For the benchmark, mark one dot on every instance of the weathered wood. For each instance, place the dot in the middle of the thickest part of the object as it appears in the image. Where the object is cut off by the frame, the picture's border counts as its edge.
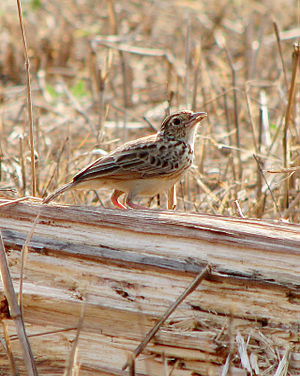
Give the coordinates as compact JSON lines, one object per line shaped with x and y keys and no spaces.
{"x":129,"y":266}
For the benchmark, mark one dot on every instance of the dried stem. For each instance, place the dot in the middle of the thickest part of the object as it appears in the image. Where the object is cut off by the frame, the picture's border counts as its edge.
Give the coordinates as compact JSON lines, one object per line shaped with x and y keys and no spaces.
{"x":72,"y":355}
{"x":263,"y":119}
{"x":288,"y":114}
{"x":293,"y":205}
{"x":239,"y":210}
{"x":22,"y":162}
{"x":12,"y":202}
{"x":196,"y":77}
{"x":236,"y":118}
{"x":187,"y":59}
{"x":101,"y":104}
{"x":24,"y":254}
{"x":263,"y":175}
{"x":229,"y":135}
{"x":16,"y":312}
{"x":29,"y":102}
{"x":131,"y":365}
{"x":123,"y":58}
{"x":172,"y":198}
{"x":10,"y":355}
{"x":254,"y":135}
{"x":56,"y":170}
{"x":277,"y":33}
{"x":205,"y":272}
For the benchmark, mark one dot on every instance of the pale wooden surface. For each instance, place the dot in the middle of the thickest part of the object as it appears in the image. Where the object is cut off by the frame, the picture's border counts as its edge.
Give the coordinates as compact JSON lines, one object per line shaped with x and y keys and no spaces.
{"x":129,"y":266}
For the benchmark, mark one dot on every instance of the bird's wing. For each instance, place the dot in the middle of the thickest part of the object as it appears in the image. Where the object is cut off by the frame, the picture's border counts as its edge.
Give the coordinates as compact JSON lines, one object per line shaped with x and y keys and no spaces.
{"x":137,"y":158}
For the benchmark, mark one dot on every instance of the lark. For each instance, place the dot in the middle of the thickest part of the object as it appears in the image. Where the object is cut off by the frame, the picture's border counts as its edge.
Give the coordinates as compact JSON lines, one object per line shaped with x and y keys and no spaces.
{"x":143,"y":167}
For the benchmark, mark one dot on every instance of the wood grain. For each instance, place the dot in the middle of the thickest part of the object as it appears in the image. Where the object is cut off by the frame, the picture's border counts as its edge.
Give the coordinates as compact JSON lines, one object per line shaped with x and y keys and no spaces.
{"x":128,"y":267}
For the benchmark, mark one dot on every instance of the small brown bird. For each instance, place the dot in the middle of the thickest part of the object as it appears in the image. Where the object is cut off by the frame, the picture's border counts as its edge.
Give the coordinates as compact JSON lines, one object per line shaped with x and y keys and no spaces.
{"x":143,"y":167}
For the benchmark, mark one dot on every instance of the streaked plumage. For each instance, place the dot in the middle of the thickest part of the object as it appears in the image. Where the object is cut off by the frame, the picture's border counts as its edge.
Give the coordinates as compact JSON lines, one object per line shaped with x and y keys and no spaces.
{"x":143,"y":167}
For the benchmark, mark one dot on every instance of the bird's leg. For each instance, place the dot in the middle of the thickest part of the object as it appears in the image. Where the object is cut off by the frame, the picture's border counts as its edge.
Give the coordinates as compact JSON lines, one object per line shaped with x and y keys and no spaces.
{"x":114,"y":199}
{"x":132,"y":205}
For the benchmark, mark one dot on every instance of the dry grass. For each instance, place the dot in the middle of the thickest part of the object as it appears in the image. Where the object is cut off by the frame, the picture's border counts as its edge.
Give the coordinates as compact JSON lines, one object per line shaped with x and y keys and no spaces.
{"x":103,"y":72}
{"x":99,"y":67}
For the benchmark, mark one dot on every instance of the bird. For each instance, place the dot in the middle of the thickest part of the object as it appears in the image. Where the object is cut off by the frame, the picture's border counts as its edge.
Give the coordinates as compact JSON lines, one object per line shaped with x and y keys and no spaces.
{"x":142,"y":167}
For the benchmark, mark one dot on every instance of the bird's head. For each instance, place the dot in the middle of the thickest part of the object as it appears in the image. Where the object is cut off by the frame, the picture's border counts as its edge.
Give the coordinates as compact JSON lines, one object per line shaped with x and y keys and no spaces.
{"x":182,"y":125}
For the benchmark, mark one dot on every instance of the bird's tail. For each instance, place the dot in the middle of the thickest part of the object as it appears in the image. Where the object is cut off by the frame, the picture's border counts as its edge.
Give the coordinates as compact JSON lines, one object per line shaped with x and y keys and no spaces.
{"x":59,"y":191}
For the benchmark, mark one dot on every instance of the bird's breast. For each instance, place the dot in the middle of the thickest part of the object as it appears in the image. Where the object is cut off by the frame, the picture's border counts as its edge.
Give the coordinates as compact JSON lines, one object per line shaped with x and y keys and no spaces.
{"x":180,"y":155}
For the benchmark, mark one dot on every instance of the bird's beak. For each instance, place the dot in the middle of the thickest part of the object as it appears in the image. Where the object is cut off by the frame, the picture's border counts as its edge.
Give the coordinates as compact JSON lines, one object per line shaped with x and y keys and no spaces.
{"x":196,"y":117}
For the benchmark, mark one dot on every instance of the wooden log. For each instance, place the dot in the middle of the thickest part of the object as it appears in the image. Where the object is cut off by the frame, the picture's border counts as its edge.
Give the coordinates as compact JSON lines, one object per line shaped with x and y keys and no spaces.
{"x":128,"y":267}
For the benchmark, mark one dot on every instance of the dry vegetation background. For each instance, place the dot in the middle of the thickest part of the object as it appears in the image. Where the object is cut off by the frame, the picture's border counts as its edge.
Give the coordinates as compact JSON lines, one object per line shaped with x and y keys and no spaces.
{"x":104,"y":72}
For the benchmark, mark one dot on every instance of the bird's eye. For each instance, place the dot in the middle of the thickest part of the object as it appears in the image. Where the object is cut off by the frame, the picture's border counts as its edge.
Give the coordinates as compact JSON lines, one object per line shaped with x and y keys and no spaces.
{"x":176,"y":121}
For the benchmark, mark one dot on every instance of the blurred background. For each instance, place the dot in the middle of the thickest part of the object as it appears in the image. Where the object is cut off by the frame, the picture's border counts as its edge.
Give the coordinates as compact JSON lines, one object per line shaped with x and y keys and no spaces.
{"x":105,"y":72}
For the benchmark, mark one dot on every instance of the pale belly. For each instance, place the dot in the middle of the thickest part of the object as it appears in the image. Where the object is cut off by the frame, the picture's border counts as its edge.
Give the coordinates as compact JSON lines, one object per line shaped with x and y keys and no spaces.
{"x":136,"y":187}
